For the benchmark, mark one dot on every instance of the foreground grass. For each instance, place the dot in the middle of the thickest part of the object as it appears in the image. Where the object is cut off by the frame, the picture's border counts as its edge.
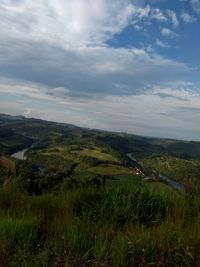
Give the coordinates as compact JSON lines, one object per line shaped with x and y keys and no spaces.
{"x":126,"y":226}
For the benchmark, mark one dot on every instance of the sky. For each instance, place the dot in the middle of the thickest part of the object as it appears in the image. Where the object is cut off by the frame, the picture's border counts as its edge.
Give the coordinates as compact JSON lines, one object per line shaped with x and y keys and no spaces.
{"x":120,"y":65}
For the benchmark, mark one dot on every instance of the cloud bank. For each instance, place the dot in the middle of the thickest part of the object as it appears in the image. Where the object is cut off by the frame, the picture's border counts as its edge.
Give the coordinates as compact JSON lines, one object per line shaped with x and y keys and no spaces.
{"x":56,"y":63}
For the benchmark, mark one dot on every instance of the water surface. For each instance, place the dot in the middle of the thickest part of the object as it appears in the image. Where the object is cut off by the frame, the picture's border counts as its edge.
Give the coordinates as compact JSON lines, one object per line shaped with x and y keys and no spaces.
{"x":20,"y":154}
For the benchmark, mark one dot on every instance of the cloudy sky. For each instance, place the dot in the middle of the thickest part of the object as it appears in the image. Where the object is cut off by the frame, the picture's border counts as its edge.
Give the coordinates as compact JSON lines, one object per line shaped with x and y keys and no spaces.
{"x":120,"y":65}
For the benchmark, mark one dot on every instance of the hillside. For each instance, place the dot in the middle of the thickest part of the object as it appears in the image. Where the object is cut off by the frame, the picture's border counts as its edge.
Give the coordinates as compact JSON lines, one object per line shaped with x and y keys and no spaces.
{"x":71,"y":149}
{"x":72,"y":196}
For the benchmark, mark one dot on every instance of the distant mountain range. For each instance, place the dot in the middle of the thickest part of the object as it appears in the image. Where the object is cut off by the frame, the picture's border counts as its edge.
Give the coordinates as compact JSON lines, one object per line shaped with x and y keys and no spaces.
{"x":17,"y":131}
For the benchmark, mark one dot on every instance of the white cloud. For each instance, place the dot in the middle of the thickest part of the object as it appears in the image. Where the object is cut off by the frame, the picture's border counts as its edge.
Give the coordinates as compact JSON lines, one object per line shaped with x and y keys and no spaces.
{"x":143,"y":12}
{"x":173,"y":17}
{"x":168,"y":33}
{"x":62,"y":68}
{"x":162,"y":44}
{"x":32,"y":90}
{"x":27,"y":112}
{"x":157,"y":14}
{"x":88,"y":69}
{"x":196,"y":6}
{"x":179,"y":91}
{"x":138,"y":27}
{"x":162,"y":111}
{"x":72,"y":22}
{"x":187,"y":18}
{"x":149,"y":13}
{"x":59,"y":92}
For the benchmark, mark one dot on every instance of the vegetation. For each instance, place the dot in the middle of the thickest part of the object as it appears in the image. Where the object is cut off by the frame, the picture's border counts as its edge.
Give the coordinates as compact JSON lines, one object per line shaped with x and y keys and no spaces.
{"x":187,"y":171}
{"x":127,"y":225}
{"x":80,"y":200}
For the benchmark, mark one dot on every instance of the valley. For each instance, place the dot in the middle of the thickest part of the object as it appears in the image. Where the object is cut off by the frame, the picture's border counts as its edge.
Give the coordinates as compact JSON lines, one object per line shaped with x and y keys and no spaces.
{"x":72,"y":196}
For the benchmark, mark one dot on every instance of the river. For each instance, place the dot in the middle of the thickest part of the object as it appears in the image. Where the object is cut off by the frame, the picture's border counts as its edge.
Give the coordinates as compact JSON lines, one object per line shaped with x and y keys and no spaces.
{"x":20,"y":154}
{"x":172,"y":183}
{"x":130,"y":156}
{"x":176,"y":185}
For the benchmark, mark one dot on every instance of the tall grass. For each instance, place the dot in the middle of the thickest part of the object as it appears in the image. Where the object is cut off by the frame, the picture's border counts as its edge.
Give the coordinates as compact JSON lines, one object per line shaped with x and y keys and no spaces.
{"x":126,"y":226}
{"x":123,"y":205}
{"x":19,"y":233}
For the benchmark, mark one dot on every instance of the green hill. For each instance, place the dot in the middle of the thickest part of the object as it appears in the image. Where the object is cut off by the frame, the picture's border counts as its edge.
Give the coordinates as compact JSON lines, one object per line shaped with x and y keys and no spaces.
{"x":85,"y":197}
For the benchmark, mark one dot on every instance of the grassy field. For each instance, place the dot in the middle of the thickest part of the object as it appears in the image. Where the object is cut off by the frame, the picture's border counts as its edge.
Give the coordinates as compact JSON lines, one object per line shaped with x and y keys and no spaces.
{"x":97,"y":153}
{"x":128,"y":225}
{"x":109,"y":169}
{"x":85,"y":157}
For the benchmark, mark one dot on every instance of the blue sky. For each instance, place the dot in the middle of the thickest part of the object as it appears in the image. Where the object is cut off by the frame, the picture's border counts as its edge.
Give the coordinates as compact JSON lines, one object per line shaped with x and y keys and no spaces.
{"x":122,"y":65}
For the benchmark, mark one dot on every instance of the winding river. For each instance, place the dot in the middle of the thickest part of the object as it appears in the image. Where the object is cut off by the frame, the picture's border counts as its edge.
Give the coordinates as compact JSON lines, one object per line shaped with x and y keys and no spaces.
{"x":20,"y":154}
{"x":176,"y":185}
{"x":172,"y":183}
